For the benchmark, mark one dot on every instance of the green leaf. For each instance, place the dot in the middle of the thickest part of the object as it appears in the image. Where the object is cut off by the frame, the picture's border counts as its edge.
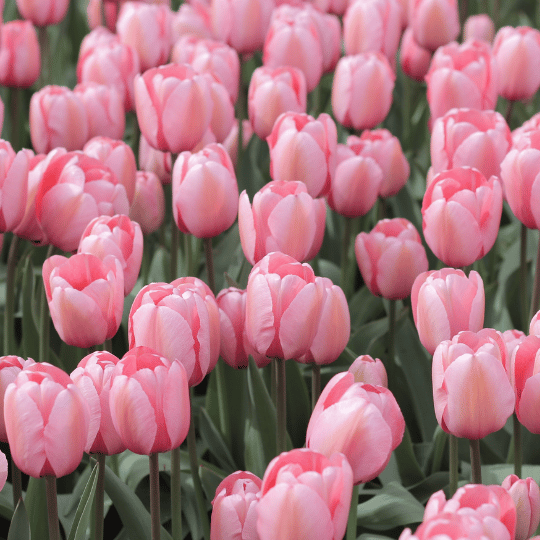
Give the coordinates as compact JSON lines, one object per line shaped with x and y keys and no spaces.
{"x":495,"y":474}
{"x":83,"y":513}
{"x":298,"y":404}
{"x":36,"y":502}
{"x":216,"y":445}
{"x":20,"y":525}
{"x":409,"y":469}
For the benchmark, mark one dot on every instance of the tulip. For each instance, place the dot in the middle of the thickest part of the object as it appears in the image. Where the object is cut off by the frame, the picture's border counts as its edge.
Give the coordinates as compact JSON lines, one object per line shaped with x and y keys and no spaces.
{"x":101,"y":14}
{"x":192,"y":19}
{"x":526,"y":496}
{"x":148,"y":207}
{"x":43,"y":12}
{"x":305,"y":495}
{"x":534,"y":326}
{"x":445,"y":302}
{"x":303,"y":148}
{"x":362,"y":90}
{"x":471,"y":391}
{"x":231,"y":142}
{"x":180,"y":321}
{"x":329,"y":27}
{"x":461,"y":213}
{"x":234,"y":508}
{"x":390,"y":258}
{"x":284,"y":217}
{"x":414,"y":59}
{"x":512,"y":338}
{"x":98,"y":36}
{"x":369,"y":371}
{"x":47,"y":421}
{"x":480,"y":27}
{"x":434,"y":22}
{"x":155,"y":161}
{"x":149,"y":401}
{"x":331,"y":6}
{"x":222,"y":119}
{"x":362,"y":421}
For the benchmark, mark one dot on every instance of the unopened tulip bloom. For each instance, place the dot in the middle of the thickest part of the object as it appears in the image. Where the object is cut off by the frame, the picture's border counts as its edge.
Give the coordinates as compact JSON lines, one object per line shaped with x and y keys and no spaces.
{"x":192,"y":19}
{"x":445,"y":302}
{"x":331,"y":6}
{"x":180,"y":320}
{"x":390,"y":257}
{"x":85,"y":297}
{"x":362,"y":90}
{"x":93,"y":378}
{"x":148,"y":207}
{"x":362,"y":421}
{"x":534,"y":326}
{"x":526,"y":496}
{"x":369,"y":371}
{"x":479,"y":26}
{"x":43,"y":12}
{"x":305,"y":495}
{"x":434,"y":22}
{"x":461,"y":213}
{"x":101,"y":14}
{"x":472,"y":393}
{"x":470,"y":138}
{"x":413,"y":58}
{"x":155,"y":161}
{"x":283,"y":217}
{"x":329,"y":27}
{"x":222,"y":119}
{"x":149,"y":401}
{"x":47,"y":421}
{"x":234,"y":508}
{"x":512,"y":338}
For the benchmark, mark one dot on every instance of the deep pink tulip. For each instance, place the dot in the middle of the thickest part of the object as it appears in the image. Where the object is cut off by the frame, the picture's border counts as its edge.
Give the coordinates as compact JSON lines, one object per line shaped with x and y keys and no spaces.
{"x":235,"y":347}
{"x":85,"y":297}
{"x":526,"y":496}
{"x":370,"y":371}
{"x":517,"y":52}
{"x":461,"y":213}
{"x":480,"y":27}
{"x":174,"y":107}
{"x":205,"y":192}
{"x":283,"y":306}
{"x":149,"y":401}
{"x":43,"y":12}
{"x":148,"y":207}
{"x":283,"y":217}
{"x":57,"y":119}
{"x":414,"y":59}
{"x":93,"y":378}
{"x":390,"y":258}
{"x":472,"y":393}
{"x":434,"y":22}
{"x":304,"y":148}
{"x":362,"y":421}
{"x":192,"y":19}
{"x":234,"y":508}
{"x":75,"y":189}
{"x":305,"y":495}
{"x":273,"y":92}
{"x":20,"y":57}
{"x":445,"y":302}
{"x":470,"y":138}
{"x":362,"y":90}
{"x":47,"y":421}
{"x":462,"y":76}
{"x":180,"y":320}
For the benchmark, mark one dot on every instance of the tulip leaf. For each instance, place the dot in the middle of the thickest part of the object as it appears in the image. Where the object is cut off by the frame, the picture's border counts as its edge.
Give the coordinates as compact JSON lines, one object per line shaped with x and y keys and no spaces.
{"x":409,"y":469}
{"x":214,"y":441}
{"x":36,"y":503}
{"x":83,"y":513}
{"x":298,"y":404}
{"x":30,"y":343}
{"x":435,"y":482}
{"x":495,"y":474}
{"x":210,"y":480}
{"x":20,"y":525}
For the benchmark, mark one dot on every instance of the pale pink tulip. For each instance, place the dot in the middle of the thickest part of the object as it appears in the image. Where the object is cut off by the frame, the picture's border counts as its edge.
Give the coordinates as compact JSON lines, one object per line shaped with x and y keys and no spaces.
{"x":155,"y":161}
{"x":43,"y":12}
{"x":434,"y":22}
{"x":413,"y":58}
{"x":369,"y":371}
{"x":148,"y":207}
{"x":526,"y":496}
{"x":480,"y":27}
{"x":192,"y":19}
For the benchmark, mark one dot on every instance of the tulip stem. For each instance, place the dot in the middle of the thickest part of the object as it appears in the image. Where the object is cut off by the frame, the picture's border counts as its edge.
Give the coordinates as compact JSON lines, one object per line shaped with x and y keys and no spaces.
{"x":174,"y":249}
{"x":454,"y":463}
{"x":44,"y":320}
{"x":315,"y":384}
{"x":476,"y":465}
{"x":52,"y":508}
{"x":99,"y":498}
{"x":536,"y":285}
{"x":210,"y":264}
{"x":281,"y":427}
{"x":518,"y":459}
{"x":15,"y":96}
{"x":154,"y":496}
{"x":176,"y":495}
{"x":392,"y":332}
{"x":9,"y":336}
{"x":241,"y":113}
{"x":347,"y":231}
{"x":16,"y":481}
{"x":523,"y":276}
{"x":352,"y":521}
{"x":44,"y":47}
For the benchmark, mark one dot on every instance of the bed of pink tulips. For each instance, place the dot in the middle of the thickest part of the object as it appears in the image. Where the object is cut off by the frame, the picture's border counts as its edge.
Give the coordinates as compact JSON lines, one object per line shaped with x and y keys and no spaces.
{"x":269,"y":270}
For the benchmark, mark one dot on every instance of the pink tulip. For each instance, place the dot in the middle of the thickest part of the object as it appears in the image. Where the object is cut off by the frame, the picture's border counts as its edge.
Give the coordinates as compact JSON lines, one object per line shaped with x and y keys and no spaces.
{"x":174,"y":107}
{"x":462,"y":76}
{"x":93,"y":378}
{"x":329,"y":27}
{"x":205,"y":192}
{"x":98,"y":36}
{"x":445,"y":302}
{"x":471,"y":391}
{"x":331,"y":6}
{"x":3,"y":470}
{"x":532,"y":124}
{"x":149,"y":401}
{"x":10,"y":367}
{"x":101,"y":14}
{"x":362,"y":90}
{"x":234,"y":508}
{"x":47,"y":421}
{"x":20,"y":59}
{"x":480,"y":27}
{"x":192,"y":19}
{"x":273,"y":92}
{"x":434,"y":22}
{"x":283,"y":306}
{"x":57,"y":118}
{"x":304,"y":148}
{"x":305,"y":495}
{"x":180,"y":321}
{"x":534,"y":326}
{"x":390,"y":258}
{"x":512,"y":338}
{"x":470,"y":138}
{"x":148,"y":207}
{"x":517,"y":52}
{"x":222,"y":119}
{"x":461,"y":213}
{"x":75,"y":189}
{"x":284,"y":217}
{"x":362,"y":421}
{"x":85,"y":297}
{"x":526,"y":496}
{"x":43,"y":12}
{"x":367,"y":370}
{"x":155,"y":161}
{"x":414,"y":59}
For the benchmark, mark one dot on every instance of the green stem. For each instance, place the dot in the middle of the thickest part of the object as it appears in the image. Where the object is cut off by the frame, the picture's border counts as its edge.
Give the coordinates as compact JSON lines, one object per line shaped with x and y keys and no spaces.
{"x":523,"y":277}
{"x":44,"y":321}
{"x":476,"y":465}
{"x":518,"y":459}
{"x":241,"y":113}
{"x":345,"y":256}
{"x":15,"y":95}
{"x":509,"y":110}
{"x":174,"y":250}
{"x":9,"y":317}
{"x":281,"y":426}
{"x":210,"y":264}
{"x":352,"y":521}
{"x":392,"y":332}
{"x":536,"y":286}
{"x":52,"y":508}
{"x":454,"y":463}
{"x":154,"y":496}
{"x":273,"y":381}
{"x":99,"y":498}
{"x":43,"y":37}
{"x":16,"y":481}
{"x":188,"y":254}
{"x":107,"y":345}
{"x":176,"y":495}
{"x":315,"y":384}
